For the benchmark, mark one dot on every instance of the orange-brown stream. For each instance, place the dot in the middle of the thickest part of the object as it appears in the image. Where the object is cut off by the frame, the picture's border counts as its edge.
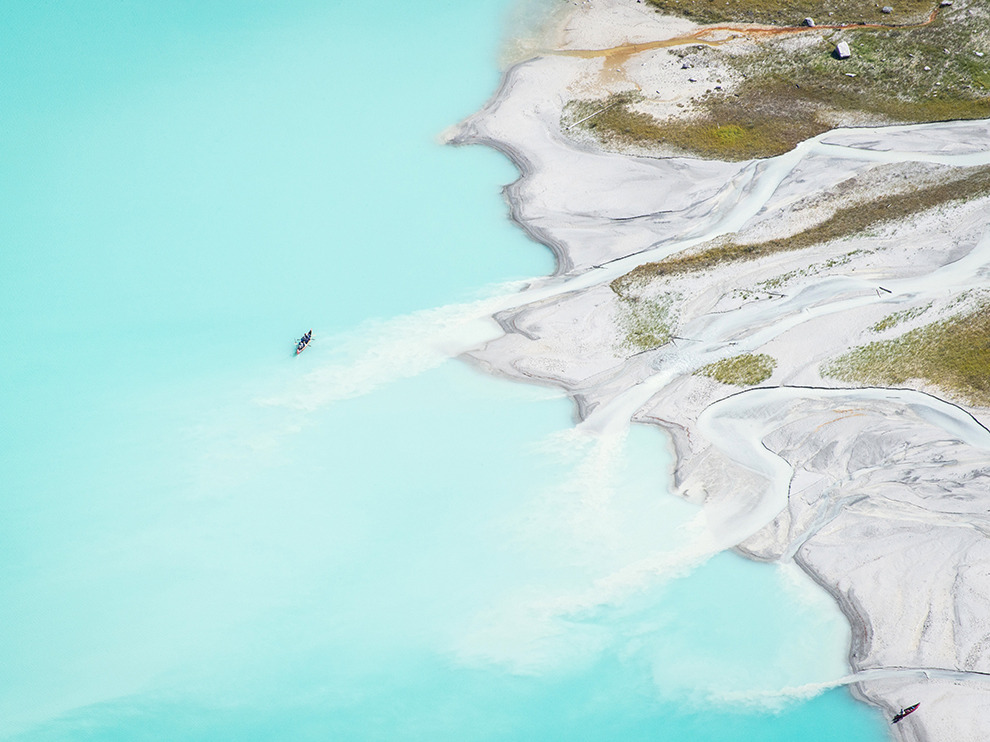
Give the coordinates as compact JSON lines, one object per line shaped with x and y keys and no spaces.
{"x":617,"y":56}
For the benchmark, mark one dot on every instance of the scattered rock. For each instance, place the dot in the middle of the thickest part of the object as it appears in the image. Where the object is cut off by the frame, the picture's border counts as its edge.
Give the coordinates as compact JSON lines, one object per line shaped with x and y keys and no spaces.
{"x":927,"y":68}
{"x":945,"y":3}
{"x":979,"y":54}
{"x":842,"y":50}
{"x":886,"y":9}
{"x":809,"y":22}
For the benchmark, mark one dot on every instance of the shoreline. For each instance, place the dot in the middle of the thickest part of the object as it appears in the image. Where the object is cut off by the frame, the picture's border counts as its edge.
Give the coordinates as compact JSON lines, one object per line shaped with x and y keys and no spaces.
{"x":658,"y":384}
{"x":462,"y":135}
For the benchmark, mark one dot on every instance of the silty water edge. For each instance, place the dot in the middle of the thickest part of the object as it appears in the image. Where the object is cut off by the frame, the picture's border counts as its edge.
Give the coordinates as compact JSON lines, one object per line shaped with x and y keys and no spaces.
{"x":187,"y":553}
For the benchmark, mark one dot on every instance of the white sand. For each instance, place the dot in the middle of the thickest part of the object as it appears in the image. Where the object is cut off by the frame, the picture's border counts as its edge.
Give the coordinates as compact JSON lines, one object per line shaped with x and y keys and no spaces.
{"x":881,"y":497}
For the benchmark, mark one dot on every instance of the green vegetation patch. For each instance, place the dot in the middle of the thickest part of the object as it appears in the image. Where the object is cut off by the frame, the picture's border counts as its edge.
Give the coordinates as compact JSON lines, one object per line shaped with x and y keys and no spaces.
{"x":953,"y":355}
{"x":612,"y":121}
{"x":794,"y":87}
{"x":743,"y":370}
{"x":921,"y":74}
{"x":744,"y":128}
{"x":723,"y":129}
{"x":892,"y":320}
{"x":793,"y":12}
{"x":843,"y":223}
{"x":777,"y":281}
{"x":647,"y":323}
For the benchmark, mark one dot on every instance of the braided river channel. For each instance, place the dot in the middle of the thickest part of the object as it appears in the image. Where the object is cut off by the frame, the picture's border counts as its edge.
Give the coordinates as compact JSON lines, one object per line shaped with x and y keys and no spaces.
{"x":203,"y":537}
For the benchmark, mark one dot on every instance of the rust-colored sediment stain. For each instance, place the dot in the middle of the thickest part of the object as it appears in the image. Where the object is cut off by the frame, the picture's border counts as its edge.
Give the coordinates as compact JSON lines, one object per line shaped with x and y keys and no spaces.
{"x":617,"y":56}
{"x":843,"y":415}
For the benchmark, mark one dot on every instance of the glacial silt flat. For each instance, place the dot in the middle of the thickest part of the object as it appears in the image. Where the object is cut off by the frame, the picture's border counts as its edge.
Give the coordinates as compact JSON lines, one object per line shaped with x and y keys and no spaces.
{"x":842,"y":280}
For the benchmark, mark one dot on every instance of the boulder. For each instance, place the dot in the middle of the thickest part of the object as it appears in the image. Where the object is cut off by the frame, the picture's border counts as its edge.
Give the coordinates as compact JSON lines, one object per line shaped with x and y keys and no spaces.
{"x":842,"y":50}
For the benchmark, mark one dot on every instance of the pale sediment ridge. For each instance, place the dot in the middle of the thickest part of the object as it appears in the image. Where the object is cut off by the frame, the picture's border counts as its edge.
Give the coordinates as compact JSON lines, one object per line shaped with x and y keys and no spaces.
{"x":880,"y":495}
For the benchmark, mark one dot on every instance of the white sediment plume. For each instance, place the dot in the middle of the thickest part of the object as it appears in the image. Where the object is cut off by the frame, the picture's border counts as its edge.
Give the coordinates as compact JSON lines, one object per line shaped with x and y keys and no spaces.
{"x":879,"y":495}
{"x":405,"y":346}
{"x":380,"y":352}
{"x":851,"y":517}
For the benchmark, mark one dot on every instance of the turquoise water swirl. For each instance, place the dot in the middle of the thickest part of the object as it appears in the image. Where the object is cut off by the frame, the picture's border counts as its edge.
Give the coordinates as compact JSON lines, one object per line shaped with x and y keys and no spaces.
{"x":205,"y":538}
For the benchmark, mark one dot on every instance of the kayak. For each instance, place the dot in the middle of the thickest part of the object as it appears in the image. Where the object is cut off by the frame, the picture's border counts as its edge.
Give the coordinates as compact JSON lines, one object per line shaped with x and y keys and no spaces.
{"x":303,"y":342}
{"x":904,"y":712}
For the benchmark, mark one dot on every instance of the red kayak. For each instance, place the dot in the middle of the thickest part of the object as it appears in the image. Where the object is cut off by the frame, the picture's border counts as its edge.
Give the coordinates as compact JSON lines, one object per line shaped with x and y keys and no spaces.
{"x":303,"y":342}
{"x":904,"y":712}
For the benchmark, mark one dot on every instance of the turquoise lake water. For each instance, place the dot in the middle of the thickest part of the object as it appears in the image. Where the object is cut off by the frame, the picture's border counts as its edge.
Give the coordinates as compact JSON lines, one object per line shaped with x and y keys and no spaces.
{"x":204,"y":538}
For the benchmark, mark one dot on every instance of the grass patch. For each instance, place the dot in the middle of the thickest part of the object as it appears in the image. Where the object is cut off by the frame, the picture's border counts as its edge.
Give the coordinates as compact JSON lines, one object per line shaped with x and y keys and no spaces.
{"x":778,"y":281}
{"x":792,"y":91}
{"x":729,"y":131}
{"x":744,"y":370}
{"x":723,"y":130}
{"x":612,"y":122}
{"x":647,"y":323}
{"x":843,"y":223}
{"x":953,"y":355}
{"x":890,"y":78}
{"x":892,"y":320}
{"x":792,"y":12}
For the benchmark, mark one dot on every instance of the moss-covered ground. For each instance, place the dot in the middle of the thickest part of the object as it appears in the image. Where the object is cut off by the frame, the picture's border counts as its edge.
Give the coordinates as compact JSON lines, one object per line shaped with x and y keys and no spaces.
{"x":723,"y":131}
{"x":646,"y":323}
{"x":845,"y":222}
{"x":892,"y":320}
{"x":792,"y":91}
{"x":742,"y":370}
{"x":953,"y":355}
{"x":793,"y":12}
